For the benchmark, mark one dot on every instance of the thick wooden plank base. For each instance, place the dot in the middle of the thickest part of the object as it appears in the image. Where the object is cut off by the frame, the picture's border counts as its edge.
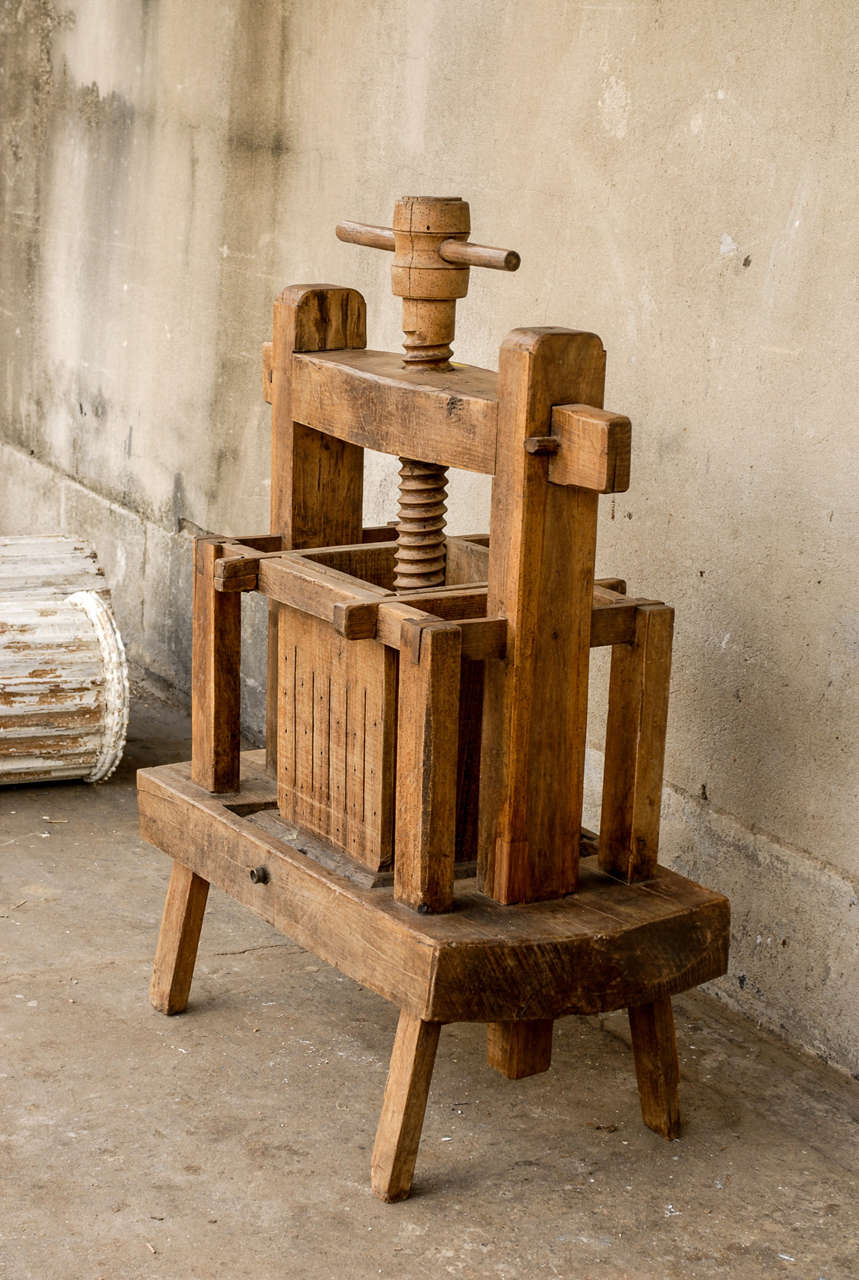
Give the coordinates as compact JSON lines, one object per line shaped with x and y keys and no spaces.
{"x":609,"y":946}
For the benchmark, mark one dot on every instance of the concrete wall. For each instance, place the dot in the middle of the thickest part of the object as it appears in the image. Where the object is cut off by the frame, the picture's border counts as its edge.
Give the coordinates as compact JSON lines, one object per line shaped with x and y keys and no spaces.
{"x":678,"y":176}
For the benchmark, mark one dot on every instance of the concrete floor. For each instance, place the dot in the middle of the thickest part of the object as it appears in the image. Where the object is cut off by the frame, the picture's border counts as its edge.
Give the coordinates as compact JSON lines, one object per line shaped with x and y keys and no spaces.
{"x":235,"y":1140}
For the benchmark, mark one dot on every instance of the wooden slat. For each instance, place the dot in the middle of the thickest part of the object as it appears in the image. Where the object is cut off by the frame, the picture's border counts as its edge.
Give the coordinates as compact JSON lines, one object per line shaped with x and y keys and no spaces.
{"x":482,"y":638}
{"x":613,"y":621}
{"x":372,"y":562}
{"x":379,"y":532}
{"x":215,"y":666}
{"x":423,"y":607}
{"x":361,"y":621}
{"x":314,"y":589}
{"x":540,"y":579}
{"x":337,"y":732}
{"x":264,"y":542}
{"x":635,"y":746}
{"x":238,"y":570}
{"x":316,"y":482}
{"x":357,"y":610}
{"x":399,"y":1133}
{"x":371,"y":400}
{"x":468,"y":759}
{"x":427,"y":740}
{"x":467,"y":561}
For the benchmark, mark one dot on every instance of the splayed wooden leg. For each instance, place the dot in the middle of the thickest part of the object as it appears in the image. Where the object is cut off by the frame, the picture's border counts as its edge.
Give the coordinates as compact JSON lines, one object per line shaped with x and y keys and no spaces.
{"x":402,"y":1118}
{"x":178,"y":939}
{"x":654,"y":1046}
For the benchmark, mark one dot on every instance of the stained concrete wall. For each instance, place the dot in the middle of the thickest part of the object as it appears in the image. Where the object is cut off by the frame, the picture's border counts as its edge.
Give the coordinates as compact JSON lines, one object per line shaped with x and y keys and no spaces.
{"x":678,"y":176}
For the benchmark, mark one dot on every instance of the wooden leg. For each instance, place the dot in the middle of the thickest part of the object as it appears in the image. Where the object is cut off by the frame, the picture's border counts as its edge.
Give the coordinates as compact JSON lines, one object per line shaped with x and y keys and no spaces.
{"x":519,"y":1049}
{"x":654,"y":1046}
{"x":178,"y":939}
{"x":402,"y":1118}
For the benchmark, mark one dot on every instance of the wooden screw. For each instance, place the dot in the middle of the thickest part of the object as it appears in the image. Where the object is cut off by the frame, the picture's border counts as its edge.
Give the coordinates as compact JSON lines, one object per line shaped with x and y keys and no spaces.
{"x":420,"y":554}
{"x":432,"y":257}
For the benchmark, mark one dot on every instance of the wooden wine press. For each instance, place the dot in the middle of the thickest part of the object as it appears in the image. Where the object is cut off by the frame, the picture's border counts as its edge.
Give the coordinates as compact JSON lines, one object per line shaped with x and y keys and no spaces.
{"x":415,"y":819}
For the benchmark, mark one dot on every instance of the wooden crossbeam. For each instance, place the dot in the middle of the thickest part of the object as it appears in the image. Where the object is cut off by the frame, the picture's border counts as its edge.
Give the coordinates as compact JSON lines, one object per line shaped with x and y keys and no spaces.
{"x":367,"y":398}
{"x":357,"y":610}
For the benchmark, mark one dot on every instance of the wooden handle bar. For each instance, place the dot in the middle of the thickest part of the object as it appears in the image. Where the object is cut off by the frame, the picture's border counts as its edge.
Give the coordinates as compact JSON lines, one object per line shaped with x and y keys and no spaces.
{"x":464,"y":254}
{"x":456,"y":252}
{"x":361,"y":233}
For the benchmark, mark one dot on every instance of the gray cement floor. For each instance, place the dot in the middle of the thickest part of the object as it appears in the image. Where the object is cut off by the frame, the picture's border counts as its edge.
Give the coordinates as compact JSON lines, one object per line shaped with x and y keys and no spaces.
{"x":235,"y":1140}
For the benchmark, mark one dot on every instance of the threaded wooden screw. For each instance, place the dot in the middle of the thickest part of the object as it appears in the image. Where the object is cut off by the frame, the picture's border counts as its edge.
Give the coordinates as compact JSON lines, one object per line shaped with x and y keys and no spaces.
{"x":420,"y":555}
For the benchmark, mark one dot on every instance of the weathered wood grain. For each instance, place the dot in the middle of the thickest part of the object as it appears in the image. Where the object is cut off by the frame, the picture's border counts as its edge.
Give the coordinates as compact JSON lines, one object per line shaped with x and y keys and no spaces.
{"x":541,"y":579}
{"x":609,"y":946}
{"x":635,"y":745}
{"x":427,"y":742}
{"x":338,"y":724}
{"x":654,"y":1047}
{"x":594,"y":448}
{"x":317,"y":482}
{"x":178,"y":939}
{"x":215,"y":664}
{"x":519,"y":1049}
{"x":406,"y":1091}
{"x":368,"y":399}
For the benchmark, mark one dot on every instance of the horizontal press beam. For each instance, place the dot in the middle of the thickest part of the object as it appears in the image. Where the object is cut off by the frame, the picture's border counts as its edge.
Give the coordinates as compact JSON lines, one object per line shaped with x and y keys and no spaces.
{"x":359,"y":610}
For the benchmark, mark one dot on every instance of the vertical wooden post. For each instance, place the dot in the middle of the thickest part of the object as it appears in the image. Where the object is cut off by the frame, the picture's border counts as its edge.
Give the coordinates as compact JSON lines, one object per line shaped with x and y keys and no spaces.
{"x":541,"y":576}
{"x":427,"y":746}
{"x":654,"y":1046}
{"x":399,"y":1132}
{"x":316,"y":480}
{"x":541,"y":571}
{"x":215,"y":666}
{"x":178,"y":940}
{"x":635,"y":746}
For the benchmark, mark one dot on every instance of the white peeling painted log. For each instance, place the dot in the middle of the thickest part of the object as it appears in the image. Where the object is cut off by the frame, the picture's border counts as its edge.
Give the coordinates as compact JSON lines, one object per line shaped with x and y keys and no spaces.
{"x":49,"y":568}
{"x":63,"y":688}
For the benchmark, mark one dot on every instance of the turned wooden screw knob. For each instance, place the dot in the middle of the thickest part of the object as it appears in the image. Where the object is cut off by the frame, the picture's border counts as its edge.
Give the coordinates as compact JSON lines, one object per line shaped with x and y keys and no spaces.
{"x":432,"y":257}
